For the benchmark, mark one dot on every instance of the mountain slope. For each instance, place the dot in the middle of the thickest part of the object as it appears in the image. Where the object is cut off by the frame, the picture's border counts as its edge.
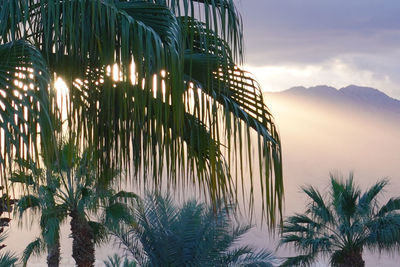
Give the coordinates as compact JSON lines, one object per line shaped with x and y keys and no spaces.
{"x":366,"y":98}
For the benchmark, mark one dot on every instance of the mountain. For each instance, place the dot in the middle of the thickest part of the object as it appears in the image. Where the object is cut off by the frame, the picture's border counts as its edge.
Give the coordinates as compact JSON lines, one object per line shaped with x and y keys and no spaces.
{"x":357,"y":96}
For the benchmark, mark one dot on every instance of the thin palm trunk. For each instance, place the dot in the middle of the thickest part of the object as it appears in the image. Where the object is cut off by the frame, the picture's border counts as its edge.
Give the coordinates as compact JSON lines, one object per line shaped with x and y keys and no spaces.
{"x":53,"y":256}
{"x":82,"y":244}
{"x":53,"y":250}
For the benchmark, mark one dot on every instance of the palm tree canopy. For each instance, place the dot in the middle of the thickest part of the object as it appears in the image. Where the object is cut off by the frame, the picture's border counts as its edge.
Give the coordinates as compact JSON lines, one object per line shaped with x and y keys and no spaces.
{"x":343,"y":221}
{"x":155,"y":86}
{"x":192,"y":235}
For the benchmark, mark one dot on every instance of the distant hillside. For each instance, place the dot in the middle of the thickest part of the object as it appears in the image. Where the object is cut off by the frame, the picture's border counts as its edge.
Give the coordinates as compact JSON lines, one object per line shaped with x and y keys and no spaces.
{"x":357,"y":96}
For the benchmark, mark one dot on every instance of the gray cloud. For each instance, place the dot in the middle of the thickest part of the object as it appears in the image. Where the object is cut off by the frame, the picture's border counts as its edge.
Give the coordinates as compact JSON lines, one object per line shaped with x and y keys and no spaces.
{"x":364,"y":33}
{"x":312,"y":31}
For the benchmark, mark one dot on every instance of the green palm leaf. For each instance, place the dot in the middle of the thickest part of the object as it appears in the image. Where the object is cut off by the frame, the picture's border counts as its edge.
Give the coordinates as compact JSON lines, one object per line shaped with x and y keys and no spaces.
{"x":24,"y":100}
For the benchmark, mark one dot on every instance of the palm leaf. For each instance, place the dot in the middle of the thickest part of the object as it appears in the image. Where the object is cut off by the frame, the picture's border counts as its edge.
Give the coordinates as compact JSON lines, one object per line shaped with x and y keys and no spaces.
{"x":302,"y":260}
{"x":8,"y":259}
{"x":24,"y":100}
{"x":35,"y":247}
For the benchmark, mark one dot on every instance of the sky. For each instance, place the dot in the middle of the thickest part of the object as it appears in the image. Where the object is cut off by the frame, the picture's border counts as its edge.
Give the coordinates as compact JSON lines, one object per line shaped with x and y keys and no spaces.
{"x":313,"y":42}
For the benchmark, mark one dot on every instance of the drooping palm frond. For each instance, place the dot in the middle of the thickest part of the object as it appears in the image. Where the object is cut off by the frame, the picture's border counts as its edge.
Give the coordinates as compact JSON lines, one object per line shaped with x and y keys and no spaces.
{"x":24,"y":102}
{"x":209,"y":66}
{"x":36,"y":247}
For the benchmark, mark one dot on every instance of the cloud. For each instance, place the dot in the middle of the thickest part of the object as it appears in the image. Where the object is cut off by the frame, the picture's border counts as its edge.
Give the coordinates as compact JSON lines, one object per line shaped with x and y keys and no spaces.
{"x":338,"y":73}
{"x":336,"y":42}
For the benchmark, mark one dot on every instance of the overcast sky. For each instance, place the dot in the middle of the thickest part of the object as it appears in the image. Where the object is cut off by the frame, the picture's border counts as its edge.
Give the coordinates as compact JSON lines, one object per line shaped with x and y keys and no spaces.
{"x":333,"y":42}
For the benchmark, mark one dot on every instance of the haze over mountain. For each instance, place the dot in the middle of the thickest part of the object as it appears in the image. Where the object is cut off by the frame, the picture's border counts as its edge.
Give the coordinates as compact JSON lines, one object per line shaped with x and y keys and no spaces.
{"x":359,"y":97}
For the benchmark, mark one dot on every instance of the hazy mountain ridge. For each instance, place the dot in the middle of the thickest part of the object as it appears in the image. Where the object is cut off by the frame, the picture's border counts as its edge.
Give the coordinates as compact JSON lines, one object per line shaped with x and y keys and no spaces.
{"x":361,"y":97}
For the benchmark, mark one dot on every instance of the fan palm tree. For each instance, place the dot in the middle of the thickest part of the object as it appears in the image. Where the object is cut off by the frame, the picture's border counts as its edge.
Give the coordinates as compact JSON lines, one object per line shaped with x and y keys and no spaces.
{"x":342,"y":223}
{"x":154,"y":86}
{"x":69,"y":189}
{"x":193,"y":235}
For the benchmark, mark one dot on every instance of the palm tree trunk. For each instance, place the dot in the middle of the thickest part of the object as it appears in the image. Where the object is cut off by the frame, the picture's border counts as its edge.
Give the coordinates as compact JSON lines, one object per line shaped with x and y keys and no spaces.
{"x":53,"y":251}
{"x":82,"y":240}
{"x":53,"y":254}
{"x":352,"y":259}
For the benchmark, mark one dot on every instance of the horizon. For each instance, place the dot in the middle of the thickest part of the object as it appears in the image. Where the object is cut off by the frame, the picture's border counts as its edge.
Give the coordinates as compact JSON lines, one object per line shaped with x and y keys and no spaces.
{"x":330,"y":86}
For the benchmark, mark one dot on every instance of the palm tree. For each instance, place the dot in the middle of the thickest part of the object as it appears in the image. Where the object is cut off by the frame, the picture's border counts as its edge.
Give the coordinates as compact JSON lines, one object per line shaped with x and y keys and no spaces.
{"x":41,"y":199}
{"x":176,"y":100}
{"x":193,"y":235}
{"x":69,"y":189}
{"x":341,"y":223}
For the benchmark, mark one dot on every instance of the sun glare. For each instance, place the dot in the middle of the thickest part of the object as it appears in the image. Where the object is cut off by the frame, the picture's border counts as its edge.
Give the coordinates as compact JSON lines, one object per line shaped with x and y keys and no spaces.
{"x":62,"y":96}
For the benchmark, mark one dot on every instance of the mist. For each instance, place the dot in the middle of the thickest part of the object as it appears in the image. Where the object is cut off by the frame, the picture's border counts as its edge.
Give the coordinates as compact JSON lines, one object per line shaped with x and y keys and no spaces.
{"x":322,"y":137}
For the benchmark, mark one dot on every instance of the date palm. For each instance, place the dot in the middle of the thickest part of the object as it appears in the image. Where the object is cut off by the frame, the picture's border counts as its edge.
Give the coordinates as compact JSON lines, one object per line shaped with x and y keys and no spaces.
{"x":192,"y":235}
{"x":176,"y":100}
{"x":342,"y":223}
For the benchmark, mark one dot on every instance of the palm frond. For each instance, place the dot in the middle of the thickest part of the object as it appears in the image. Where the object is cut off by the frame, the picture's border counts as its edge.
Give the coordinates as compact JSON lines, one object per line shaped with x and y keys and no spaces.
{"x":117,"y":261}
{"x":392,"y":205}
{"x":27,"y":202}
{"x":35,"y":247}
{"x":24,"y":101}
{"x":384,"y":232}
{"x":209,"y":67}
{"x":318,"y":207}
{"x":345,"y":195}
{"x":8,"y":259}
{"x":301,"y":261}
{"x":99,"y":230}
{"x":364,"y":203}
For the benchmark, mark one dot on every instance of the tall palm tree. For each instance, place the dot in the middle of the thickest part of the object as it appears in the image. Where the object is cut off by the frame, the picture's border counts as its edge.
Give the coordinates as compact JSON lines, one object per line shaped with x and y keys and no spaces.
{"x":41,"y":199}
{"x":341,"y":223}
{"x":176,"y":100}
{"x":69,"y":189}
{"x":193,"y":235}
